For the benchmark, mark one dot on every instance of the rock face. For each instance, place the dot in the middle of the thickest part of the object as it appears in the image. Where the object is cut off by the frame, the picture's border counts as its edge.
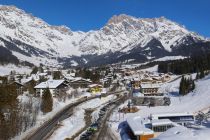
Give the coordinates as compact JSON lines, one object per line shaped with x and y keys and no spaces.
{"x":123,"y":38}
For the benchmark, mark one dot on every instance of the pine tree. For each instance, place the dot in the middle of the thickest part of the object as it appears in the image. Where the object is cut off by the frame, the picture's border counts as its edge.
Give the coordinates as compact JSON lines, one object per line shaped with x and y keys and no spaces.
{"x":202,"y":75}
{"x":197,"y":76}
{"x":31,"y":86}
{"x":57,"y":75}
{"x":47,"y":101}
{"x":181,"y":87}
{"x":34,"y":70}
{"x":193,"y":85}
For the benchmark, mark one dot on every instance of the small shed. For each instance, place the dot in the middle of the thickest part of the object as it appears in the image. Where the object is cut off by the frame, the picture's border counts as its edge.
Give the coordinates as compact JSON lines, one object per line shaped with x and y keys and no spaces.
{"x":95,"y":88}
{"x":80,"y":82}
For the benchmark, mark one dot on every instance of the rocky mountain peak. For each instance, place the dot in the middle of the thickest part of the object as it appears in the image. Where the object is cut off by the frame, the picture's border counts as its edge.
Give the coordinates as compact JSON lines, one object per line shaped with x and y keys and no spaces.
{"x":34,"y":39}
{"x":119,"y":18}
{"x":10,"y":8}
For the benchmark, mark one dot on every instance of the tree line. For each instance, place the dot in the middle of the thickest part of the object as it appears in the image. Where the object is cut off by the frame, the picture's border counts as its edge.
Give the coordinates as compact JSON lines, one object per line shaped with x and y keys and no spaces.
{"x":194,"y":64}
{"x":93,"y":75}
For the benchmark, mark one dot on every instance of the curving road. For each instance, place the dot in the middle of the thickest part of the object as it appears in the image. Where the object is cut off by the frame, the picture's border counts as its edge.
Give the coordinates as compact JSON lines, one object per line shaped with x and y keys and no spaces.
{"x":104,"y":131}
{"x":48,"y":127}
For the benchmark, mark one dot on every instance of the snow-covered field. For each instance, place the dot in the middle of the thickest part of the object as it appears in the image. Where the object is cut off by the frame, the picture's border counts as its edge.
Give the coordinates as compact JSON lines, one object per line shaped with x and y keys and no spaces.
{"x":6,"y":69}
{"x":166,"y":58}
{"x":151,"y":69}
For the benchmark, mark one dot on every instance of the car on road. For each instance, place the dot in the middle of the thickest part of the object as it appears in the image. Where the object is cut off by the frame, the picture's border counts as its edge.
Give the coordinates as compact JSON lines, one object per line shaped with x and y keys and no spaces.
{"x":92,"y":129}
{"x":84,"y":136}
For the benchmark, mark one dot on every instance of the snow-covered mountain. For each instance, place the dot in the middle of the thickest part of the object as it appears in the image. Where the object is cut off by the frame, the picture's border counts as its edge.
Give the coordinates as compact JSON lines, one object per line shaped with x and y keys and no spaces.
{"x":124,"y":38}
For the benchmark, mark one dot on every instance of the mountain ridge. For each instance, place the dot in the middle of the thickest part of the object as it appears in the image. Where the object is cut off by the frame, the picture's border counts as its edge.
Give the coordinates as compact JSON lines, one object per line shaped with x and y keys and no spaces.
{"x":36,"y":41}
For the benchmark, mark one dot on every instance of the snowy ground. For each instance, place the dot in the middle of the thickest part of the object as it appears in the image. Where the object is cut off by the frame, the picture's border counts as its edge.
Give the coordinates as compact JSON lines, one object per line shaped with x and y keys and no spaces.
{"x":41,"y":118}
{"x":151,"y":69}
{"x":6,"y":69}
{"x":167,"y":58}
{"x":76,"y":122}
{"x":198,"y":100}
{"x":183,"y":133}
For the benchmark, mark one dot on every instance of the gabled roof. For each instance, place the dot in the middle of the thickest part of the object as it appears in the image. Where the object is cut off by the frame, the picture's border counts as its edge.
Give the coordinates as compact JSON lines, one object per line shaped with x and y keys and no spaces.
{"x":69,"y":76}
{"x":150,"y":85}
{"x":23,"y":81}
{"x":157,"y":122}
{"x":81,"y":79}
{"x":52,"y":84}
{"x":42,"y":74}
{"x":94,"y":85}
{"x":16,"y":82}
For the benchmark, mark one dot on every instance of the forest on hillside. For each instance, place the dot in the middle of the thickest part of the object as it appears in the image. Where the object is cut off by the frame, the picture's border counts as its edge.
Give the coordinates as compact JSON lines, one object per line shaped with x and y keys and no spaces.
{"x":194,"y":64}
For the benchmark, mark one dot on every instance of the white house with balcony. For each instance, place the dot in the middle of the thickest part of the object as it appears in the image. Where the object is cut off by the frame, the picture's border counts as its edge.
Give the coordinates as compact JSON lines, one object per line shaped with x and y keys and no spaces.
{"x":55,"y":87}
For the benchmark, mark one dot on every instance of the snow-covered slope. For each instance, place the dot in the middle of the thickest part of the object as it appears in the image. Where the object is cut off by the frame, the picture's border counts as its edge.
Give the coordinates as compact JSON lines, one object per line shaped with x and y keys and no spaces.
{"x":32,"y":39}
{"x":123,"y":32}
{"x":183,"y":133}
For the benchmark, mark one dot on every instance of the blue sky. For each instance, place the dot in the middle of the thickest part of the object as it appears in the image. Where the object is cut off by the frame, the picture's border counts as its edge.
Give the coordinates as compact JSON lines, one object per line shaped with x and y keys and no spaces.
{"x":85,"y":15}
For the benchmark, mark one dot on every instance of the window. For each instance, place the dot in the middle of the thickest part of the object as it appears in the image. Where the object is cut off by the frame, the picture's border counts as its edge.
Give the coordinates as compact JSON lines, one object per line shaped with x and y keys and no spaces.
{"x":162,"y":128}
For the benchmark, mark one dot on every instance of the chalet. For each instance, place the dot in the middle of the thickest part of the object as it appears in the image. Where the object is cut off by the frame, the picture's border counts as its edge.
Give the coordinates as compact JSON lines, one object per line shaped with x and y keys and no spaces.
{"x":18,"y":86}
{"x":135,"y":82}
{"x":26,"y":81}
{"x":55,"y":87}
{"x":156,"y":79}
{"x":42,"y":75}
{"x":105,"y":82}
{"x":68,"y":77}
{"x":109,"y":76}
{"x":150,"y":89}
{"x":95,"y":88}
{"x":166,"y":78}
{"x":146,"y":80}
{"x":80,"y":82}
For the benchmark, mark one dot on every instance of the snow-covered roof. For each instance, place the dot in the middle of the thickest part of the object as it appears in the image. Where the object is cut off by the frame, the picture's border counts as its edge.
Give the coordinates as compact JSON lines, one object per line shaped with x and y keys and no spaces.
{"x":136,"y":79}
{"x":155,"y":116}
{"x":52,"y":84}
{"x":150,"y":85}
{"x":147,"y":78}
{"x":80,"y":78}
{"x":16,"y":82}
{"x":69,"y":77}
{"x":34,"y":76}
{"x":94,"y":85}
{"x":42,"y":74}
{"x":23,"y":81}
{"x":137,"y":125}
{"x":184,"y":133}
